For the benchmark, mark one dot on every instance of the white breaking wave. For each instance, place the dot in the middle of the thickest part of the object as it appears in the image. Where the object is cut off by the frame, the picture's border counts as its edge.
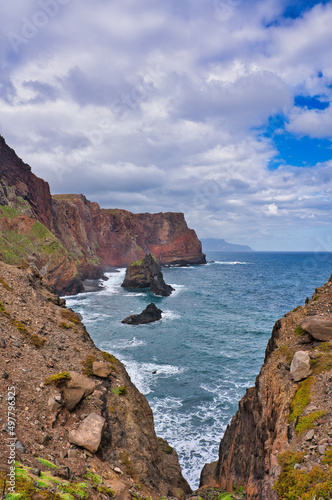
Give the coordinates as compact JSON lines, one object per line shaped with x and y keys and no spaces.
{"x":114,"y":282}
{"x":170,"y":315}
{"x":228,"y":263}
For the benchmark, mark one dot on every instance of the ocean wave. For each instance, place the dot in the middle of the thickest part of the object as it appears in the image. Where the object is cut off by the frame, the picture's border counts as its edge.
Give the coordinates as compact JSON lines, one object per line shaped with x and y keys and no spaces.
{"x":114,"y":282}
{"x":226,"y":263}
{"x":170,"y":315}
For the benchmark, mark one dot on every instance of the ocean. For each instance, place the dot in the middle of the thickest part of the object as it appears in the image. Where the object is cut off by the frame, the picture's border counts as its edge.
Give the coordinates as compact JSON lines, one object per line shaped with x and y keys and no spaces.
{"x":195,"y":364}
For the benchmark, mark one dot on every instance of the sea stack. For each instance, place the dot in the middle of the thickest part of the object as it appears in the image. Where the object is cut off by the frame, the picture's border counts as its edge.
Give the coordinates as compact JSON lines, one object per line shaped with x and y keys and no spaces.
{"x":146,"y":273}
{"x":150,"y":314}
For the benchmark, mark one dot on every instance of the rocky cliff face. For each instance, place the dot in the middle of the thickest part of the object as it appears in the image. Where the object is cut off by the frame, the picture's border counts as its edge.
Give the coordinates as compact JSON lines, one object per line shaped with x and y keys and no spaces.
{"x":88,"y":239}
{"x":277,"y":446}
{"x":117,"y":237}
{"x":82,"y":428}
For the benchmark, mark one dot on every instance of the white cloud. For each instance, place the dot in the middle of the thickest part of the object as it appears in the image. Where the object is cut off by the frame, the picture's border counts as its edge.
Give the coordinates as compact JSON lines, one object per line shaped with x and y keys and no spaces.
{"x":154,"y":106}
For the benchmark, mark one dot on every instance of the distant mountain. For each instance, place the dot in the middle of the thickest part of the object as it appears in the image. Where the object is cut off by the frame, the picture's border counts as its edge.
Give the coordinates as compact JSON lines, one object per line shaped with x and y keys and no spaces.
{"x":219,"y":245}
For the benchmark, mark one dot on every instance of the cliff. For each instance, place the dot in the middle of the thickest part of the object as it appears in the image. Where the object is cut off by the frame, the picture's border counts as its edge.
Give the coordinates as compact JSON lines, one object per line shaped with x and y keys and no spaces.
{"x":116,"y":237}
{"x":75,"y":239}
{"x":82,"y":429}
{"x":277,"y":446}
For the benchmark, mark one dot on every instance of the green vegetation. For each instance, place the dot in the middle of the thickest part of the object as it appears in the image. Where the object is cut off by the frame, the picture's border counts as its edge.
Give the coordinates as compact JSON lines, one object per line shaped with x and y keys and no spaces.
{"x":327,"y":460}
{"x":9,"y":212}
{"x":58,"y":379}
{"x":45,"y":462}
{"x":301,"y":398}
{"x":308,"y":422}
{"x":323,"y":360}
{"x":109,"y":357}
{"x":299,"y":331}
{"x":294,"y":484}
{"x":35,"y":339}
{"x":87,"y":365}
{"x":167,"y":448}
{"x":70,"y":316}
{"x":65,"y":326}
{"x":120,"y":391}
{"x":94,"y":478}
{"x":125,"y":460}
{"x":5,"y":285}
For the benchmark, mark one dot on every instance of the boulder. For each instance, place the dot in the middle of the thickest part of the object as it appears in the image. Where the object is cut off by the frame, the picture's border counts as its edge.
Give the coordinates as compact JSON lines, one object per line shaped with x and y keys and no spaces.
{"x":150,"y":314}
{"x":146,"y":273}
{"x":77,"y":388}
{"x":89,"y":433}
{"x":101,"y":369}
{"x":318,"y":327}
{"x":300,"y":366}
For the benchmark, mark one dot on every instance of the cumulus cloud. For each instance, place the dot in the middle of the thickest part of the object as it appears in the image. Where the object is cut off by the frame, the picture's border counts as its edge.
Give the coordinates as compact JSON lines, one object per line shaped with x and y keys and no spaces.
{"x":155,"y":106}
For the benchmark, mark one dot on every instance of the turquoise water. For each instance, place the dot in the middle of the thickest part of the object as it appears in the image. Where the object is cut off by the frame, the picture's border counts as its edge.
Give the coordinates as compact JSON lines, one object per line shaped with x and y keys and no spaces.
{"x":210,"y":344}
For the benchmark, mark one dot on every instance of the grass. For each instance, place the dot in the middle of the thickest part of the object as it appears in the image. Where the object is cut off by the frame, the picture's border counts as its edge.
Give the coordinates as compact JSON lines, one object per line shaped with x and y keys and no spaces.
{"x":323,"y":360}
{"x":294,"y":484}
{"x":46,"y":463}
{"x":299,"y":331}
{"x":308,"y":422}
{"x":301,"y":398}
{"x":58,"y":379}
{"x":5,"y":285}
{"x":167,"y":448}
{"x":70,"y":316}
{"x":87,"y":365}
{"x":125,"y":460}
{"x":109,"y":357}
{"x":327,"y":459}
{"x":65,"y":326}
{"x":120,"y":391}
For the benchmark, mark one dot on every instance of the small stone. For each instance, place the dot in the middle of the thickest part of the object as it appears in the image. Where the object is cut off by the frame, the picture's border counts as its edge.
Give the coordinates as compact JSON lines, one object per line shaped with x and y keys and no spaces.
{"x":36,"y":472}
{"x":20,"y":447}
{"x":309,"y":435}
{"x":5,"y":375}
{"x":72,"y":453}
{"x":2,"y":343}
{"x":321,"y":449}
{"x":297,"y":466}
{"x":17,"y":344}
{"x":118,"y":470}
{"x":63,"y":472}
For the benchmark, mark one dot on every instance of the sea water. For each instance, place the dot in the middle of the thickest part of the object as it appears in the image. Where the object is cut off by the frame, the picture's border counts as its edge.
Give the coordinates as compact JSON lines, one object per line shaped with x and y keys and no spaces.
{"x":197,"y":362}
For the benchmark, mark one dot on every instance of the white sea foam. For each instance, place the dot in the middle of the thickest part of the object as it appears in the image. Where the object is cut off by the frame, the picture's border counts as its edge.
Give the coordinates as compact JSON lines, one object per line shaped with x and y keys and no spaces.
{"x":177,"y":289}
{"x":143,"y":374}
{"x":113,"y":284}
{"x":226,"y":263}
{"x":170,"y":315}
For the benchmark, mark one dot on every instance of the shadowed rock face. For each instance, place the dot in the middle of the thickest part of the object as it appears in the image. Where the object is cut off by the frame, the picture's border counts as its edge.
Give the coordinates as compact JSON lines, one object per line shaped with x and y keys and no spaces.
{"x":147,"y":273}
{"x":266,"y":424}
{"x":150,"y":314}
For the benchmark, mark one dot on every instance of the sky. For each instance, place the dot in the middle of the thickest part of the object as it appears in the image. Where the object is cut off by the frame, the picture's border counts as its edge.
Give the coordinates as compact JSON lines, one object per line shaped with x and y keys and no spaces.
{"x":220,"y":109}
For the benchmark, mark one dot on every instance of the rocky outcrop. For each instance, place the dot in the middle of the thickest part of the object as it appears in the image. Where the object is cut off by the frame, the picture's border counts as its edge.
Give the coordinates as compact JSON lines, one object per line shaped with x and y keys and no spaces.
{"x":146,"y":273}
{"x":105,"y":441}
{"x":266,"y":449}
{"x":75,"y":239}
{"x":150,"y":314}
{"x":16,"y":175}
{"x":319,"y":327}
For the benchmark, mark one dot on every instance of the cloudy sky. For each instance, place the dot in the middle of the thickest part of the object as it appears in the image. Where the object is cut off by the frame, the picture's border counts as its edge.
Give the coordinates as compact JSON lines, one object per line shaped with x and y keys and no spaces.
{"x":220,"y":109}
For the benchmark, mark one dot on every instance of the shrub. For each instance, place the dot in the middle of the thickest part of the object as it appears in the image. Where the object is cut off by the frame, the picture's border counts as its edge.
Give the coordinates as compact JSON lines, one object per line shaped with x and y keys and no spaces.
{"x":58,"y":379}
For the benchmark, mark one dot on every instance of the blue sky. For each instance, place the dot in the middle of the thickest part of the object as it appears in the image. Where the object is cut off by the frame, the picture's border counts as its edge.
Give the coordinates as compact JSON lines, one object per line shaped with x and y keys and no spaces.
{"x":220,"y":109}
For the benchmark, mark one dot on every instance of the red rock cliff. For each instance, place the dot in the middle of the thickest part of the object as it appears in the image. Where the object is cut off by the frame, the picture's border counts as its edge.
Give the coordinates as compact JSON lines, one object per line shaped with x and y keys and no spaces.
{"x":116,"y":237}
{"x":89,"y":240}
